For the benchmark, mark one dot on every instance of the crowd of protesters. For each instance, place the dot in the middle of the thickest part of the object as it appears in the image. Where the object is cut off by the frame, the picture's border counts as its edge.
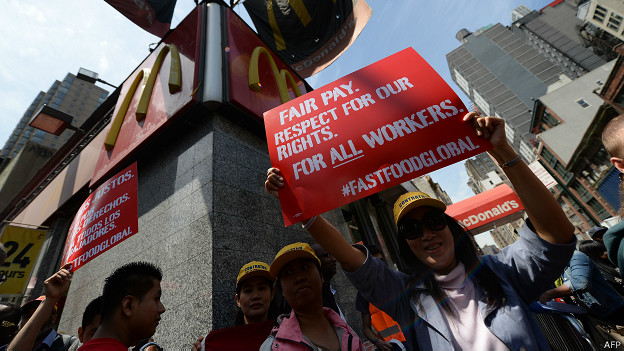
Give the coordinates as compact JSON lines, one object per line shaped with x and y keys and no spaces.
{"x":449,"y":298}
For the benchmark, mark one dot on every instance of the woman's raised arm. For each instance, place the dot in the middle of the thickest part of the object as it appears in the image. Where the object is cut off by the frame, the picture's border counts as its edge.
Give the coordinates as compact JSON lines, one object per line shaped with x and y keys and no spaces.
{"x":322,"y":231}
{"x":547,"y":217}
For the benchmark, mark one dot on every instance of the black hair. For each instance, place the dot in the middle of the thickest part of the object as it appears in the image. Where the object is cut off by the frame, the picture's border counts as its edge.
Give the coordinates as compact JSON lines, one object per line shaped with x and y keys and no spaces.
{"x":14,"y":314}
{"x":93,"y":309}
{"x":9,"y":322}
{"x":592,"y":248}
{"x":466,"y":253}
{"x":135,"y":279}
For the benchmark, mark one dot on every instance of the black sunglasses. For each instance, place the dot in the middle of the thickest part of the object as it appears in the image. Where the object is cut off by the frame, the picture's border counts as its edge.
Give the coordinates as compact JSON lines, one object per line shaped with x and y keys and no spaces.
{"x":413,"y":228}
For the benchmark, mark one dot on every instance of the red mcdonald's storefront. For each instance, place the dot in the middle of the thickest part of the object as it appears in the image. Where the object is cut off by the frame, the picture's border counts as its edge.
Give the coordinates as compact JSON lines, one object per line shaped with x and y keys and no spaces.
{"x":186,"y":128}
{"x":189,"y":118}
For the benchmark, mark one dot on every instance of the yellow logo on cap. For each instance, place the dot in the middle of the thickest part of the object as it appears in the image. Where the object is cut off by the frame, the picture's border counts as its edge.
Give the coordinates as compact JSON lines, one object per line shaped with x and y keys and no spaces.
{"x":254,"y":267}
{"x":409,"y":199}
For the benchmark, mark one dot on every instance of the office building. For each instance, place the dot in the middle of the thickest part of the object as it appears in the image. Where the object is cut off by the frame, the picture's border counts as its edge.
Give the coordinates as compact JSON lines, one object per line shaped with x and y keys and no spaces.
{"x":519,"y":12}
{"x":74,"y":96}
{"x":483,"y":173}
{"x":490,"y":250}
{"x":427,"y":185}
{"x":554,"y":32}
{"x":569,"y":122}
{"x":503,"y":75}
{"x":507,"y":234}
{"x":607,"y":15}
{"x":27,"y":148}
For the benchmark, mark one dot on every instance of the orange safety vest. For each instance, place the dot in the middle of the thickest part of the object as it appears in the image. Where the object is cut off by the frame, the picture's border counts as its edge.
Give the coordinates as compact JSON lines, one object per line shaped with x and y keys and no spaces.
{"x":387,"y":329}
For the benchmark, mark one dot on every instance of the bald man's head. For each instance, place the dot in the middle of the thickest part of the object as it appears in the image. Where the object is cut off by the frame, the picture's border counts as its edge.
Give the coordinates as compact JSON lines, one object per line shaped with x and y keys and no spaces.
{"x":613,"y":141}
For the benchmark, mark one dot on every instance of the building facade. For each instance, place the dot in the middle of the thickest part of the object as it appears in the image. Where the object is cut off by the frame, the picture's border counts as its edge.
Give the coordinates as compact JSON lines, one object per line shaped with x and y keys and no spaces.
{"x":73,"y":96}
{"x":201,"y":155}
{"x":502,"y":75}
{"x":507,"y":234}
{"x":568,"y":122}
{"x":483,"y":173}
{"x":607,"y":15}
{"x":554,"y":32}
{"x":27,"y":148}
{"x":427,"y":185}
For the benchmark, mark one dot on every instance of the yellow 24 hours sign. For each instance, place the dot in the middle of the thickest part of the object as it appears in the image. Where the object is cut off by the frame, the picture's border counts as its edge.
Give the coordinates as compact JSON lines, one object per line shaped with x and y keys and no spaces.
{"x":23,"y":246}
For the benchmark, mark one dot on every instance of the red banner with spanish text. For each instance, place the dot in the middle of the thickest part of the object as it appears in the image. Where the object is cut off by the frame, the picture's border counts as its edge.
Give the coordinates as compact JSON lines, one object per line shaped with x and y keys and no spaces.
{"x":375,"y":128}
{"x":107,"y":217}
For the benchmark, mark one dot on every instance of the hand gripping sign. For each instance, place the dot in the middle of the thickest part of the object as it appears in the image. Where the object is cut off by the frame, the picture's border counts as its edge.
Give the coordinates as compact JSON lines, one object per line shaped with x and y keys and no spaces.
{"x":106,"y":218}
{"x":375,"y":128}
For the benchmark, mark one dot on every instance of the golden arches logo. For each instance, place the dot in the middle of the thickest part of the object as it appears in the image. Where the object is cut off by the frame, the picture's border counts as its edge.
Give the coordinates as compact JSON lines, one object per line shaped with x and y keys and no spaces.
{"x":147,"y":79}
{"x":281,"y":77}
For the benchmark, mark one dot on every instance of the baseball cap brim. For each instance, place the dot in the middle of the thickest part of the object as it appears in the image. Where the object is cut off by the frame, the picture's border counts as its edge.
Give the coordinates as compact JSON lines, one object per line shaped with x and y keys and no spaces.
{"x":33,"y":303}
{"x":286,"y":257}
{"x":253,"y":274}
{"x":430,"y":202}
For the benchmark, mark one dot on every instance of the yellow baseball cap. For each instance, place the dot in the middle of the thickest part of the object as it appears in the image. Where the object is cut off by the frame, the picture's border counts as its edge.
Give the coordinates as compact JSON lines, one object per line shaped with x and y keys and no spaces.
{"x":254,"y":269}
{"x":289,"y":253}
{"x":407,"y":202}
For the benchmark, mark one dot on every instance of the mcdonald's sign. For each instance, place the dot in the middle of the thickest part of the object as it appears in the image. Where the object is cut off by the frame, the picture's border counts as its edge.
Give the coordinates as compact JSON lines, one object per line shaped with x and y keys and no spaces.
{"x":156,"y":93}
{"x":165,"y":85}
{"x":147,"y":78}
{"x":258,"y":79}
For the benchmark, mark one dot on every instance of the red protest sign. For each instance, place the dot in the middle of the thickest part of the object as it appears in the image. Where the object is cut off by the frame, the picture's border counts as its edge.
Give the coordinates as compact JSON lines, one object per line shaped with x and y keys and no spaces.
{"x":375,"y":128}
{"x":106,"y":218}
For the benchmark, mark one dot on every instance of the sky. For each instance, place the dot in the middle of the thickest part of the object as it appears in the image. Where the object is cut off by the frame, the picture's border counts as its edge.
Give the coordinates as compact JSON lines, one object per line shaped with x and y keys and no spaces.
{"x":43,"y":40}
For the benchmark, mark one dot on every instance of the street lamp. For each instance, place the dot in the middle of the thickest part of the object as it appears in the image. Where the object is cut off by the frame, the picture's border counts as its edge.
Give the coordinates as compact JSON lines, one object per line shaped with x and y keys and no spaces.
{"x":52,"y":121}
{"x":91,"y":77}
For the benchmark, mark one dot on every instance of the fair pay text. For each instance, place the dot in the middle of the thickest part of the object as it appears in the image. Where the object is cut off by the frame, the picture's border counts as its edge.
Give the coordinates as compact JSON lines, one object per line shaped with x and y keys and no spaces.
{"x":306,"y":125}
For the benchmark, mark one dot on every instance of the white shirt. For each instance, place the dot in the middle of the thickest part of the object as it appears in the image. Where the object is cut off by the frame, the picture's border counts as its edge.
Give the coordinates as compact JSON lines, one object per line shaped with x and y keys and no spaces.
{"x":467,"y":327}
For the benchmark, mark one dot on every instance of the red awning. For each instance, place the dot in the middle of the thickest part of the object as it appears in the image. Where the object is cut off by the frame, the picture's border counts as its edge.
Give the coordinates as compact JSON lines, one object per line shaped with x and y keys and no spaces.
{"x":489,"y":209}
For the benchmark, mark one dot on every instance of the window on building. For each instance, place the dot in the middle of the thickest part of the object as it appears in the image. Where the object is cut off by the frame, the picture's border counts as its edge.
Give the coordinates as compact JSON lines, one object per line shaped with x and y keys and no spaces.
{"x":548,"y":157}
{"x":526,"y":151}
{"x":548,"y":121}
{"x":560,"y":169}
{"x":602,"y":157}
{"x":598,"y":208}
{"x":614,"y":21}
{"x":583,"y":193}
{"x":484,"y":107}
{"x":600,"y":13}
{"x":583,"y":103}
{"x":462,"y":82}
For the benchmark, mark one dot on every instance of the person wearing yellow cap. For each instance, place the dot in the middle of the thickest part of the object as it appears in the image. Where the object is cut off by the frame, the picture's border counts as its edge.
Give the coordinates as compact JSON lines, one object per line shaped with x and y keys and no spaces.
{"x":450,"y":298}
{"x":254,"y":308}
{"x":309,"y":326}
{"x":254,"y":293}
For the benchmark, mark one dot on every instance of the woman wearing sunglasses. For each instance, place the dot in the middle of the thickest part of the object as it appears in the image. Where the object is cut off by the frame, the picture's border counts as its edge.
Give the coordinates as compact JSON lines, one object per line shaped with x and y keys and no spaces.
{"x":452,"y":299}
